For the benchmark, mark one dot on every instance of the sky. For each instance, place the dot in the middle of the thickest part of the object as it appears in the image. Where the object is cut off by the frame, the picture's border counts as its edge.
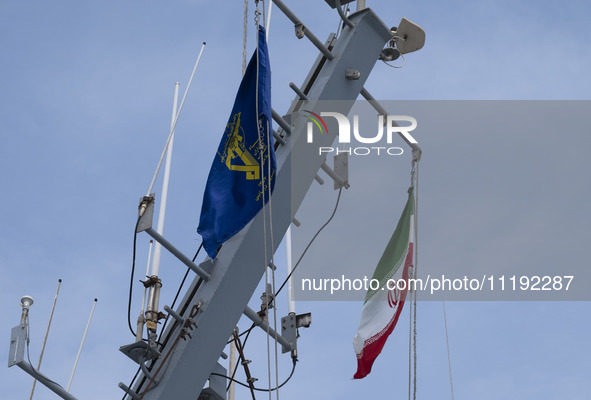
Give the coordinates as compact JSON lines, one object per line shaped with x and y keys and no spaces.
{"x":84,"y":113}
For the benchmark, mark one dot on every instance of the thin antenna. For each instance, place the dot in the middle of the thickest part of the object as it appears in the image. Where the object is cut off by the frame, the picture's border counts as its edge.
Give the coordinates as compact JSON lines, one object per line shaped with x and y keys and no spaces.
{"x":175,"y":121}
{"x":81,"y":344}
{"x":59,"y":282}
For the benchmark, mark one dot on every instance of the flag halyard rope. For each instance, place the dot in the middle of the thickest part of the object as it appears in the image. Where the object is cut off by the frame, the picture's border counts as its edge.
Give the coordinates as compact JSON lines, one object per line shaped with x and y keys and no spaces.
{"x":266,"y":224}
{"x":412,"y":329}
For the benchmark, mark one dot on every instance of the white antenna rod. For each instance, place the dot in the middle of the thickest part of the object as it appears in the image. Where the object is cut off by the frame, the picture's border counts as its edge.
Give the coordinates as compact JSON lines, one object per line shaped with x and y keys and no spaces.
{"x":231,"y":369}
{"x":290,"y":301}
{"x":81,"y":344}
{"x":175,"y":121}
{"x":141,"y":320}
{"x":268,"y":24}
{"x":59,"y":282}
{"x":156,"y":284}
{"x":162,"y":211}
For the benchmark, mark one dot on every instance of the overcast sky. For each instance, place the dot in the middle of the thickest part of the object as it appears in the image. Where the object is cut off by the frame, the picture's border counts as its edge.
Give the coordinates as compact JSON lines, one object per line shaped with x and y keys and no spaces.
{"x":85,"y":109}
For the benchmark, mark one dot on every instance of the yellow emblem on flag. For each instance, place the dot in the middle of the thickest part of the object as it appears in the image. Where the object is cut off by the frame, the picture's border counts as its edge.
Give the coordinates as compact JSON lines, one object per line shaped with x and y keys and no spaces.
{"x":236,"y":149}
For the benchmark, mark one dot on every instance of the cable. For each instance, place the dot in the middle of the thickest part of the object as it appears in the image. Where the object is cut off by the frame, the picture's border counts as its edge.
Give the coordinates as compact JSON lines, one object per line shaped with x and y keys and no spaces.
{"x":180,"y":287}
{"x":311,"y":241}
{"x":396,"y":66}
{"x":246,"y":332}
{"x":131,"y":276}
{"x":259,"y":389}
{"x":131,"y":383}
{"x":341,"y":23}
{"x":239,"y":356}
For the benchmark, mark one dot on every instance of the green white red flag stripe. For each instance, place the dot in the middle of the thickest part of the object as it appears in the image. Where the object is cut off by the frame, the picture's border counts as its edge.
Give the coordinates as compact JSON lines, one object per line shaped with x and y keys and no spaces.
{"x":382,"y":307}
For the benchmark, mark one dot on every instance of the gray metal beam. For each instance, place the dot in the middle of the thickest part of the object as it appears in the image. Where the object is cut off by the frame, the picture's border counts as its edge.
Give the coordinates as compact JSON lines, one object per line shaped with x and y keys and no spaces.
{"x":296,"y":21}
{"x":235,"y":273}
{"x":16,"y":357}
{"x":178,"y":254}
{"x":264,"y":325}
{"x":381,"y":110}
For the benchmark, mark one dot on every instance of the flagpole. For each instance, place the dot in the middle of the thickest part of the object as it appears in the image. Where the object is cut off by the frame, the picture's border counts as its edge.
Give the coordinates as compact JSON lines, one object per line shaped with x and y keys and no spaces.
{"x":59,"y":283}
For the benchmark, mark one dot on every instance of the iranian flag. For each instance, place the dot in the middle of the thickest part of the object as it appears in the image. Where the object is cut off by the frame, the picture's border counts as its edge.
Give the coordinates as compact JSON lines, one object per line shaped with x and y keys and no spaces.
{"x":383,"y":306}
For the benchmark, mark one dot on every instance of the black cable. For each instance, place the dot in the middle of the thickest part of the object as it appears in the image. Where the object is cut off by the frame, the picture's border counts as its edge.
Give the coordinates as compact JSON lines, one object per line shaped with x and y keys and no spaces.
{"x":131,"y":383}
{"x":131,"y":277}
{"x":308,"y":246}
{"x":247,"y":332}
{"x":243,"y":333}
{"x":259,"y":389}
{"x":243,"y":344}
{"x":179,"y":289}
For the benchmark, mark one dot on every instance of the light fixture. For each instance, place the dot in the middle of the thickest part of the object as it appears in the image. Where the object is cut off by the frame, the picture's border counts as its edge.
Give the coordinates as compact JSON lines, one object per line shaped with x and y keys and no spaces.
{"x":27,"y":301}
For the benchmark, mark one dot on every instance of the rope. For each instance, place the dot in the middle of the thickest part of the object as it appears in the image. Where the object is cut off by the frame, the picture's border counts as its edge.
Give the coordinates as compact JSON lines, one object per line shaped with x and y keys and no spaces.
{"x":272,"y":260}
{"x":410,"y":340}
{"x":261,"y":149}
{"x":412,"y":328}
{"x":416,"y":247}
{"x":451,"y":384}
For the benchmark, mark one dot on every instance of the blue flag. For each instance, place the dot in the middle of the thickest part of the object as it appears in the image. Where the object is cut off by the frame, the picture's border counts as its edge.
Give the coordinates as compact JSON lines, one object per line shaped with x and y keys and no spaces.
{"x":239,"y":178}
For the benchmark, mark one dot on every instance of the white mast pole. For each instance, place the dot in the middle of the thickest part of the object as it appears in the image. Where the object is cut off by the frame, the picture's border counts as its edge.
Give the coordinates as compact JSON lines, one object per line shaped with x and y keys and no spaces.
{"x":290,"y":301}
{"x":81,"y":344}
{"x":59,"y":283}
{"x":268,"y":24}
{"x":141,"y":320}
{"x":154,"y":294}
{"x":232,"y":364}
{"x":162,"y":211}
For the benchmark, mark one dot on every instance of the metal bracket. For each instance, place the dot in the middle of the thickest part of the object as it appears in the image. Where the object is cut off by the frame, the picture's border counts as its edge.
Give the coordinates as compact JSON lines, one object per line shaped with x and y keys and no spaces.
{"x":289,"y":331}
{"x":16,"y":356}
{"x":341,"y":168}
{"x":139,"y":351}
{"x":340,"y":162}
{"x":146,"y":212}
{"x":128,"y":391}
{"x":333,"y":3}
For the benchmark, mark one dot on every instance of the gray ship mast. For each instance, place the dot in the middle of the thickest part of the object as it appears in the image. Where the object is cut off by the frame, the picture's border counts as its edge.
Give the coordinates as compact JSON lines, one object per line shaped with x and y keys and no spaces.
{"x":185,"y":364}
